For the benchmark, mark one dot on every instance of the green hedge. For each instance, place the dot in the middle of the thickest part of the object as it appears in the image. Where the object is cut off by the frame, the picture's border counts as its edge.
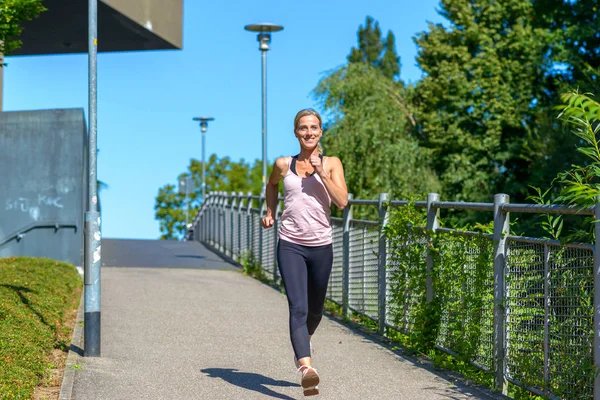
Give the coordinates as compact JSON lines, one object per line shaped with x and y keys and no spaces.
{"x":36,"y":296}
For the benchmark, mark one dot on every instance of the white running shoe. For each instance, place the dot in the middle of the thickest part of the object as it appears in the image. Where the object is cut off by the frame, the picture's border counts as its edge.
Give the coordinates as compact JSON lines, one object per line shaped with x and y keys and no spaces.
{"x":310,"y":380}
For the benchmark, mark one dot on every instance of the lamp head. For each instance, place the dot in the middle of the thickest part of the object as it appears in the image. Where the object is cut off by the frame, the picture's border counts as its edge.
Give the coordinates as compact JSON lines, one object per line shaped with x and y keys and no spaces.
{"x":203,"y":122}
{"x":264,"y":39}
{"x":264,"y":33}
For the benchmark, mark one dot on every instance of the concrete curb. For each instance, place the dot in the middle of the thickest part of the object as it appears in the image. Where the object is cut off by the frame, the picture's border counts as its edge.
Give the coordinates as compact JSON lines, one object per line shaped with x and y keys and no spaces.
{"x":66,"y":388}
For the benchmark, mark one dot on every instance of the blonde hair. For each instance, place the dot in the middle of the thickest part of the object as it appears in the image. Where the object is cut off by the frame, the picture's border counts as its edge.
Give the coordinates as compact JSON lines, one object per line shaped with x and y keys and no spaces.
{"x":307,"y":112}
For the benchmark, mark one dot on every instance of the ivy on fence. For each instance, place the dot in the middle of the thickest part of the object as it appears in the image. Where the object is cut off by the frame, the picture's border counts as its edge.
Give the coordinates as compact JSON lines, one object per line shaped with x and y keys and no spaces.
{"x":552,"y":305}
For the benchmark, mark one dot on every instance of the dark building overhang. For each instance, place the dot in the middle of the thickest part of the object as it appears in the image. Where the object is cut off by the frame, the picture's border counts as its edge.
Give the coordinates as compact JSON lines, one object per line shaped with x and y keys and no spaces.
{"x":123,"y":25}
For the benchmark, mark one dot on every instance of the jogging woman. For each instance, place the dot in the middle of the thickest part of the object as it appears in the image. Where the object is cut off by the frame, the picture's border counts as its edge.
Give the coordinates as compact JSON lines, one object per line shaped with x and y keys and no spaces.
{"x":311,"y":182}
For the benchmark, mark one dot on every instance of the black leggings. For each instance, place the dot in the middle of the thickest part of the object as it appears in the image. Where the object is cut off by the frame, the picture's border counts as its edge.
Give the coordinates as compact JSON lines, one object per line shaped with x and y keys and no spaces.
{"x":305,"y":273}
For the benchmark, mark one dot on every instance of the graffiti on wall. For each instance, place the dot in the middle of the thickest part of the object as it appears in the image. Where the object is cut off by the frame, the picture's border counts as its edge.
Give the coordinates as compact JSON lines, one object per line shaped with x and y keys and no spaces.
{"x":33,"y":205}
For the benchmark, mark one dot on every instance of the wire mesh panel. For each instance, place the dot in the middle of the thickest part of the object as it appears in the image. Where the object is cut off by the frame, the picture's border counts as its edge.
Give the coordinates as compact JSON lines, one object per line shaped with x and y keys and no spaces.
{"x":525,"y":309}
{"x":549,"y":326}
{"x":278,"y":280}
{"x":214,"y":225}
{"x":243,"y":233}
{"x":227,"y":229}
{"x":217,"y":232}
{"x":405,"y":285}
{"x":268,"y":250}
{"x":220,"y":226}
{"x":255,"y":229}
{"x":208,"y":221}
{"x":334,"y":289}
{"x":363,"y":275}
{"x":571,"y":332}
{"x":235,"y":244}
{"x":211,"y":226}
{"x":464,"y":286}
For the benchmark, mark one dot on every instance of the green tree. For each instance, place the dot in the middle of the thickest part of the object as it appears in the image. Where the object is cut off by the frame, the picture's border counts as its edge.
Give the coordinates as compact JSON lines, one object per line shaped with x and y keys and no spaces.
{"x":373,"y":50}
{"x":574,"y":50}
{"x":371,"y":133}
{"x":480,"y":104}
{"x":169,"y":212}
{"x":371,"y":123}
{"x":173,"y":209}
{"x":12,"y":15}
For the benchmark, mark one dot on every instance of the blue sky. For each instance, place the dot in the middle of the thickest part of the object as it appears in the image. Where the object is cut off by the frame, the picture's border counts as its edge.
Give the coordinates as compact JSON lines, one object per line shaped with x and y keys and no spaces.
{"x":146,"y":100}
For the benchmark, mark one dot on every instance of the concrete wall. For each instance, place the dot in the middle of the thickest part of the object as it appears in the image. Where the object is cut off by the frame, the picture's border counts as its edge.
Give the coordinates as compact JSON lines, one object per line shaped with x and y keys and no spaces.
{"x":43,"y":170}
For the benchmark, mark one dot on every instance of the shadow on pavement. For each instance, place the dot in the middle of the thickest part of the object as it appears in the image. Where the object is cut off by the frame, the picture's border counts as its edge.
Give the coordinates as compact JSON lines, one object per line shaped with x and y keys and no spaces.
{"x":77,"y":349}
{"x":190,"y":256}
{"x":250,"y":381}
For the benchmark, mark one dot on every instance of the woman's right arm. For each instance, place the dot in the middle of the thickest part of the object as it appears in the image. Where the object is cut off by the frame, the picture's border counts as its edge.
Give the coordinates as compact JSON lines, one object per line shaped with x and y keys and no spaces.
{"x":272,"y":191}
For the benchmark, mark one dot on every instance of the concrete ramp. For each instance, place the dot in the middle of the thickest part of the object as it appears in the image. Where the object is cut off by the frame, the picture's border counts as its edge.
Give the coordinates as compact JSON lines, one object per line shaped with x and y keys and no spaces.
{"x":160,"y":254}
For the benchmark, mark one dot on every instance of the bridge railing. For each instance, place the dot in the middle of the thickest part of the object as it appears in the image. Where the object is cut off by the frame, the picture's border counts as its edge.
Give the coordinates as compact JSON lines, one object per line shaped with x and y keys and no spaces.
{"x":524,"y":309}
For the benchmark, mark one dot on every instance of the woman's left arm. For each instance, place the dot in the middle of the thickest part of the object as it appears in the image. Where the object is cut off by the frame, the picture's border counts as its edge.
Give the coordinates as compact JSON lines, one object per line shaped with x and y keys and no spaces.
{"x":334,"y":181}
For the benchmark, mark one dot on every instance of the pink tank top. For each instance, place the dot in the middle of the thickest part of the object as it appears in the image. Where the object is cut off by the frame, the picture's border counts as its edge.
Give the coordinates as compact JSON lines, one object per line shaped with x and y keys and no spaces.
{"x":306,"y":214}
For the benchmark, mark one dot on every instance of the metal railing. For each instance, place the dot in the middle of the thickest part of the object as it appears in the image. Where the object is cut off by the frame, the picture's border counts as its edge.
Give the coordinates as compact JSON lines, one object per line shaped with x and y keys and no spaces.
{"x":535,"y":303}
{"x":20,"y":234}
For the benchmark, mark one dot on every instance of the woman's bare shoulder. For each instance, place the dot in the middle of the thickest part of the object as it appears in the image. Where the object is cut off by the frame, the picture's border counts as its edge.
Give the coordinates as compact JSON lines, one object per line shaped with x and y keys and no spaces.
{"x":282,"y":164}
{"x":333,"y":161}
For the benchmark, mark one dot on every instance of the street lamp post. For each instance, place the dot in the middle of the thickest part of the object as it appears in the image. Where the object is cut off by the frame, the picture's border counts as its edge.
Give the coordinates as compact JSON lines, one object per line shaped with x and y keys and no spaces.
{"x":203,"y":129}
{"x":264,"y":38}
{"x":92,"y":243}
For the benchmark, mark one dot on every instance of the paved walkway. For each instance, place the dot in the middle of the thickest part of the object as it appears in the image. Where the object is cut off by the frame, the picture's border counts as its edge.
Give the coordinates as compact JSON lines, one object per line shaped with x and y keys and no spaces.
{"x":212,"y":333}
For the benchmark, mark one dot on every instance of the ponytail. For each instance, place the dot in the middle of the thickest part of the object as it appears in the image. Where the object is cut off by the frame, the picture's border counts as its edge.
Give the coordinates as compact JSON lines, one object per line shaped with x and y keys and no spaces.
{"x":320,"y":148}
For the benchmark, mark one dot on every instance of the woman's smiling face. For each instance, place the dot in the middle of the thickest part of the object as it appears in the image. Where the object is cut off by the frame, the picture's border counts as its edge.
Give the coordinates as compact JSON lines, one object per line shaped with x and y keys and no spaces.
{"x":308,"y":132}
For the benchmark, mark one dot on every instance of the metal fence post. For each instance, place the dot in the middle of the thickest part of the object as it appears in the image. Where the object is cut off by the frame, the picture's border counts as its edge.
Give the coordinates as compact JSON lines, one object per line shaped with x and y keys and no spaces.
{"x":206,"y":233}
{"x":232,"y":223}
{"x":239,"y":225}
{"x":249,"y":225}
{"x":224,"y":225}
{"x":262,"y":203}
{"x":381,"y":265}
{"x":501,"y":230}
{"x":432,"y":225}
{"x":218,"y":207}
{"x":221,"y":202}
{"x":346,"y":258}
{"x":275,"y":228}
{"x":547,"y":305}
{"x":201,"y":223}
{"x":214,"y":218}
{"x":597,"y":300}
{"x":213,"y":225}
{"x":206,"y":220}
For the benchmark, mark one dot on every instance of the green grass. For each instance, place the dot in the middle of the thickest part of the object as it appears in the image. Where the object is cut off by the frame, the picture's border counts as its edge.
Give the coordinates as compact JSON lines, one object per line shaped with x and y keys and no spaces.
{"x":37,"y":302}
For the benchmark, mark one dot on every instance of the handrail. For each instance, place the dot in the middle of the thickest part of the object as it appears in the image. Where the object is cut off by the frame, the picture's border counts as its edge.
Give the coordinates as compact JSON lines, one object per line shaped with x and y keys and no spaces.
{"x":20,"y":233}
{"x":457,"y":205}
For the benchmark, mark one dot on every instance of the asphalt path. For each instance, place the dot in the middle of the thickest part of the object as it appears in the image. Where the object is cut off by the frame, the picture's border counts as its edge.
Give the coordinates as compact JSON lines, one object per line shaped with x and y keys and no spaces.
{"x":178,"y":322}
